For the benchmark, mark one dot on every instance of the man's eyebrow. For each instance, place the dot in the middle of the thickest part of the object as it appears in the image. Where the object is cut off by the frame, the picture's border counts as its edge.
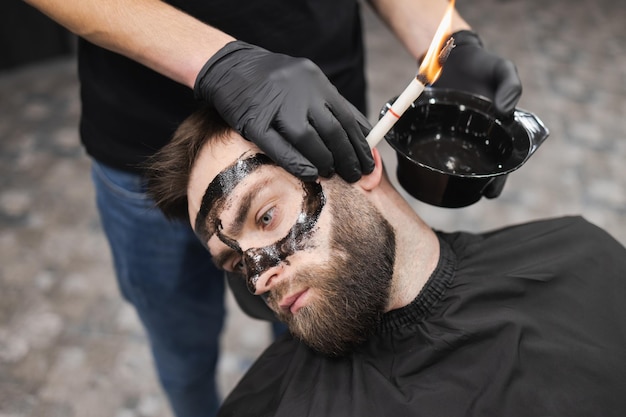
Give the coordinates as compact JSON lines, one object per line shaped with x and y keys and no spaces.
{"x":243,"y":210}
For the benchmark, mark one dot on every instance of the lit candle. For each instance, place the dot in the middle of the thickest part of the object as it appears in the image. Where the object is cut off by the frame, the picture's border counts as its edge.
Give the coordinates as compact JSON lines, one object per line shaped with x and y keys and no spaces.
{"x":428,"y":73}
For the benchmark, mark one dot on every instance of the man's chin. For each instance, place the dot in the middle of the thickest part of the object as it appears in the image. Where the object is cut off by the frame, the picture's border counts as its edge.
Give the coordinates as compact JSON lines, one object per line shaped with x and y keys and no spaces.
{"x":329,"y":336}
{"x":334,"y":347}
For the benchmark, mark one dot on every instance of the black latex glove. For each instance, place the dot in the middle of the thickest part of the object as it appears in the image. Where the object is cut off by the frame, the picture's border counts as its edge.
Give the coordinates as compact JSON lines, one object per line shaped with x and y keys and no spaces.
{"x":471,"y":68}
{"x":289,"y":109}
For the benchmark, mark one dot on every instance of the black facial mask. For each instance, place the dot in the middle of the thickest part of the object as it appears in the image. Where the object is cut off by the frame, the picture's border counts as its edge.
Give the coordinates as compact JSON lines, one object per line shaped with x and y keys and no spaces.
{"x":256,"y":260}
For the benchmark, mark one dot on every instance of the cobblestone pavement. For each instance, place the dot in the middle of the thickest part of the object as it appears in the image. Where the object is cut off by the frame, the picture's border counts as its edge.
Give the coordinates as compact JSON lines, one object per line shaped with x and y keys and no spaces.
{"x":69,"y":347}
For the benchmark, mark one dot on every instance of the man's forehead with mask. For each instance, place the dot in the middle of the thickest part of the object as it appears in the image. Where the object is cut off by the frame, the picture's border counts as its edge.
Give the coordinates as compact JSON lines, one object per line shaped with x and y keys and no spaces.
{"x":214,"y":157}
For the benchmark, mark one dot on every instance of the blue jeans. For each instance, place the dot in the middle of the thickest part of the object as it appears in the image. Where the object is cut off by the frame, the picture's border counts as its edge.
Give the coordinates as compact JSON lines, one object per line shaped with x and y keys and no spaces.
{"x":166,"y":274}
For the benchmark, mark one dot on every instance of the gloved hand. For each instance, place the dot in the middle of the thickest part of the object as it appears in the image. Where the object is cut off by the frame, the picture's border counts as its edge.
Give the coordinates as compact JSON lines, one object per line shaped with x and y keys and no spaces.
{"x":471,"y":68}
{"x":289,"y":109}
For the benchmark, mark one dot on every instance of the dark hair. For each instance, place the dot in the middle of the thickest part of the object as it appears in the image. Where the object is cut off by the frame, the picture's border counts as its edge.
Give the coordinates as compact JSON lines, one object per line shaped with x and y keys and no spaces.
{"x":168,"y":170}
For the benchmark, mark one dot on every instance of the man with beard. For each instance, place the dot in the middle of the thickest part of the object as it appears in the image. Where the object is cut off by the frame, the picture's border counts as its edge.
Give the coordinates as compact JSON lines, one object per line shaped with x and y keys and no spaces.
{"x":387,"y":316}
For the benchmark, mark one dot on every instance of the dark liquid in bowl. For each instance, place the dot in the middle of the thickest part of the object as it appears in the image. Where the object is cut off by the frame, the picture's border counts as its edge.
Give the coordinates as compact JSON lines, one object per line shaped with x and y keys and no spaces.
{"x":456,"y":140}
{"x":454,"y":154}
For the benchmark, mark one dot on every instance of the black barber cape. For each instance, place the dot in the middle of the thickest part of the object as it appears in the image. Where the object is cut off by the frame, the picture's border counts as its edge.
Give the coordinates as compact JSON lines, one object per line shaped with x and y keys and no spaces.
{"x":526,"y":321}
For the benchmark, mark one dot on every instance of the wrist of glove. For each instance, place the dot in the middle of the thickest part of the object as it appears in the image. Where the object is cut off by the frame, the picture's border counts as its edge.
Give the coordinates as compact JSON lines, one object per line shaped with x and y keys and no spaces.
{"x":471,"y":68}
{"x":289,"y":109}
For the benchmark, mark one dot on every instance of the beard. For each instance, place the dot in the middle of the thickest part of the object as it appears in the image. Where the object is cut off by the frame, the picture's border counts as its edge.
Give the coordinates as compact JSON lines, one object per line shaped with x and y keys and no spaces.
{"x":352,"y":289}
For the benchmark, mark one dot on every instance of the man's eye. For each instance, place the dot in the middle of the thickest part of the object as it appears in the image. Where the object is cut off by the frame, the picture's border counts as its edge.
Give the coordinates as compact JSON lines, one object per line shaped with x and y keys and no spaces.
{"x":267,"y":217}
{"x":238,"y":266}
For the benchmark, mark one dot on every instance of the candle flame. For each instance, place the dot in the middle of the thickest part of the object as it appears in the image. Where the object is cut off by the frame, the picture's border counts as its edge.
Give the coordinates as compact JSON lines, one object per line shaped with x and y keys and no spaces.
{"x":439,"y":49}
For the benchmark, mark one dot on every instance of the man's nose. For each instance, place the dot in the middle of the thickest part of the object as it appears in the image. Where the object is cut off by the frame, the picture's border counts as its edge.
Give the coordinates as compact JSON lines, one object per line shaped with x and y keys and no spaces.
{"x":263,"y":268}
{"x":266,"y":280}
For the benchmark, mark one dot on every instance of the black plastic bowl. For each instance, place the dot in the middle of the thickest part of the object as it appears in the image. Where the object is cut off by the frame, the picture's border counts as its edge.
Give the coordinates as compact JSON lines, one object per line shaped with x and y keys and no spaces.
{"x":451,"y":148}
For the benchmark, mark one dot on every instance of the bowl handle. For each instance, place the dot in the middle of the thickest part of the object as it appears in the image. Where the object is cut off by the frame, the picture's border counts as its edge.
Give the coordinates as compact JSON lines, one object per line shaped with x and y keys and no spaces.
{"x":537,"y":131}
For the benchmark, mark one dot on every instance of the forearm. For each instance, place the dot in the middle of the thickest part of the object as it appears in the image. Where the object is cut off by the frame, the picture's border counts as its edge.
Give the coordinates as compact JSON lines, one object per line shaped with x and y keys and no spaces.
{"x":415,"y":22}
{"x":148,"y":31}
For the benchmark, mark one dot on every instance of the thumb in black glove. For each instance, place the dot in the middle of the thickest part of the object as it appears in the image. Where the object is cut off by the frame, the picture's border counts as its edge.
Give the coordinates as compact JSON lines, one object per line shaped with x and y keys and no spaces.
{"x":471,"y":68}
{"x":289,"y":109}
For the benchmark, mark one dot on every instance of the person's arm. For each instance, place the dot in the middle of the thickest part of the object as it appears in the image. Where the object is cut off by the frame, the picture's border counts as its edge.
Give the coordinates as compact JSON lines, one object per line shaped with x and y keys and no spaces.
{"x":469,"y":66}
{"x":285,"y":105}
{"x":414,"y":22}
{"x":150,"y":32}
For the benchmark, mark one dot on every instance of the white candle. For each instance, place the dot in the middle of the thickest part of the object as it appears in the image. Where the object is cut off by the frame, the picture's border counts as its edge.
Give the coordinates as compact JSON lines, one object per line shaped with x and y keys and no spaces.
{"x":408,"y":96}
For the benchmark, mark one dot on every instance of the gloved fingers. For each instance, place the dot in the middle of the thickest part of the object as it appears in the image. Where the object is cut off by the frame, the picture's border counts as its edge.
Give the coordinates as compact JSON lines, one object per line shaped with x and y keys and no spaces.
{"x":353,"y":156}
{"x":364,"y":153}
{"x":293,"y":124}
{"x":508,"y":87}
{"x":359,"y":142}
{"x":284,"y":154}
{"x":467,"y":69}
{"x":337,"y":140}
{"x":495,"y":187}
{"x":466,"y":38}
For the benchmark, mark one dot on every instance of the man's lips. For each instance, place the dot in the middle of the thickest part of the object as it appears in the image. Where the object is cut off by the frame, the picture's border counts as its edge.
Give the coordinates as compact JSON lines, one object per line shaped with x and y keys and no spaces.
{"x":295,"y":301}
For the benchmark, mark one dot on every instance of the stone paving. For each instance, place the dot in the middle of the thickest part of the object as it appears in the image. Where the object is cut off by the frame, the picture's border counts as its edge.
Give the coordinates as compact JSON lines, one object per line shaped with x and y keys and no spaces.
{"x":69,"y":347}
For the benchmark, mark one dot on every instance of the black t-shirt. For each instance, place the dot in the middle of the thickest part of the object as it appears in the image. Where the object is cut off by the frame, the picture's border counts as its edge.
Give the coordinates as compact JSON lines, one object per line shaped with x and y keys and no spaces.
{"x":129,"y":111}
{"x":527,"y":321}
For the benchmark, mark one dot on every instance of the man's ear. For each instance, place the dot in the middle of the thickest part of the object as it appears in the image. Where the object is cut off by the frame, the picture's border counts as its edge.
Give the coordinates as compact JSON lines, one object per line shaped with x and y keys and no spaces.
{"x":370,"y":181}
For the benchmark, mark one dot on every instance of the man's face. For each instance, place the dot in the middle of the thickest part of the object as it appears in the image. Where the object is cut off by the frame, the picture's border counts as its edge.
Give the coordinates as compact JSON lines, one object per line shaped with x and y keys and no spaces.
{"x":320,"y":254}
